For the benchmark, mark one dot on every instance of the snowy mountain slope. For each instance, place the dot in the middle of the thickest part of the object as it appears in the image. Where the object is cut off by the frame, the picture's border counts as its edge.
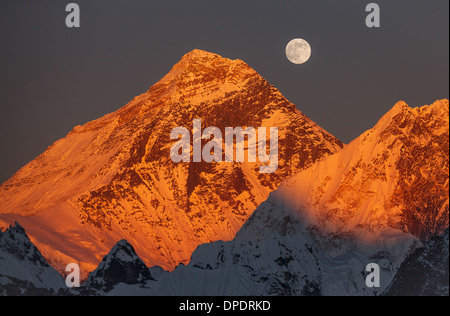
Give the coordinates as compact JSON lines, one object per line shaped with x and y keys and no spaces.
{"x":425,"y":272}
{"x":23,"y":270}
{"x":275,"y":254}
{"x":113,"y":178}
{"x":318,"y":231}
{"x":394,"y":176}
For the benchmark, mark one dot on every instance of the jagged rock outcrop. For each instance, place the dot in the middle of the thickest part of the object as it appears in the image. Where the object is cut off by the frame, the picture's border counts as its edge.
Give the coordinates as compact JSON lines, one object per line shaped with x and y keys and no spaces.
{"x":23,"y":270}
{"x":425,"y":272}
{"x":319,"y":230}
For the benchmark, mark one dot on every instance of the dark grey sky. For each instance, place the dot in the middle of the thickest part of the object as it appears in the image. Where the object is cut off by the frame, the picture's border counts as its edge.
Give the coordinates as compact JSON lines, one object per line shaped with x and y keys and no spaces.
{"x":54,"y":78}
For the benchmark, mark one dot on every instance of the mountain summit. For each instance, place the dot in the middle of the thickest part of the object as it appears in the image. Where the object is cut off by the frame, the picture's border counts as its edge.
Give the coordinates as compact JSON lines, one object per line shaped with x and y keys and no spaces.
{"x":121,"y":265}
{"x":113,"y":178}
{"x":23,"y":270}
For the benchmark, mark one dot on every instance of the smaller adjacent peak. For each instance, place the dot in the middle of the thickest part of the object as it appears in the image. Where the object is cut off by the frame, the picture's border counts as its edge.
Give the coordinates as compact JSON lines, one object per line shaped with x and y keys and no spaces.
{"x":402,"y":108}
{"x":16,"y":232}
{"x":398,"y":112}
{"x":439,"y":106}
{"x":23,"y":267}
{"x":17,"y":227}
{"x":124,"y":244}
{"x":444,"y":103}
{"x":120,"y":265}
{"x":405,"y":119}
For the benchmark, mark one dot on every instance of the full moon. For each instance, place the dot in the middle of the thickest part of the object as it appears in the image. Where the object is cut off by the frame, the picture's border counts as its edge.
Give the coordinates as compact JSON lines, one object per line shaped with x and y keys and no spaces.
{"x":298,"y":51}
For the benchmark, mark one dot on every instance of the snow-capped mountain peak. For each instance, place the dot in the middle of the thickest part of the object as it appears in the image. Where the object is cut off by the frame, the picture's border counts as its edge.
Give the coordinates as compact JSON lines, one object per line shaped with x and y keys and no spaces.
{"x":201,"y":77}
{"x":376,"y":180}
{"x":113,"y":178}
{"x":23,"y":270}
{"x":402,"y":113}
{"x":120,"y":265}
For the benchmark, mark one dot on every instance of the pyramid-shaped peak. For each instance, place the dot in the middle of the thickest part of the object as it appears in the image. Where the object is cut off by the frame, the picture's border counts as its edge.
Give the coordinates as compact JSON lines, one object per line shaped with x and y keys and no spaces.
{"x":123,"y":251}
{"x":403,"y":119}
{"x":399,"y":107}
{"x":120,"y":265}
{"x":16,"y":241}
{"x":201,"y":66}
{"x":209,"y":59}
{"x":199,"y":54}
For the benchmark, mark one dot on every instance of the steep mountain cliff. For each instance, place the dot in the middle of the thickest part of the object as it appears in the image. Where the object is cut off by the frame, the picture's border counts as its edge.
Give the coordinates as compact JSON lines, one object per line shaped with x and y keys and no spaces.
{"x":114,"y":178}
{"x":372,"y":202}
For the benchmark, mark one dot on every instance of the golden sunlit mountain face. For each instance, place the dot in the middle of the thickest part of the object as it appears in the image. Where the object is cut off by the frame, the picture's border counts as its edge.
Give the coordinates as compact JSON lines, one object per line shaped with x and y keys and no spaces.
{"x":211,"y":181}
{"x":116,"y":179}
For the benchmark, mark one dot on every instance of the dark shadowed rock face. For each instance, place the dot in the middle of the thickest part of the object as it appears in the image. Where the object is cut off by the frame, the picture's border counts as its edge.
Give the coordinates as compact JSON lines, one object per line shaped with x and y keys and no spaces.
{"x":121,"y":265}
{"x":423,"y":168}
{"x":425,"y":272}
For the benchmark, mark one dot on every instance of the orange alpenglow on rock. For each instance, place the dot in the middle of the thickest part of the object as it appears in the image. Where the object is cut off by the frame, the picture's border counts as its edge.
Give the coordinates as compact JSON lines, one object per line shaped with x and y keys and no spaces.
{"x":113,"y":178}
